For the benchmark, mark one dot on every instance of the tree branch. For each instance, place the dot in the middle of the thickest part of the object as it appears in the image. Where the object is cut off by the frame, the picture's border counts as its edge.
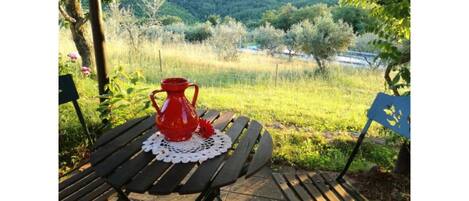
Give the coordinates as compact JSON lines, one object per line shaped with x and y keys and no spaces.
{"x":66,"y":15}
{"x":82,"y":21}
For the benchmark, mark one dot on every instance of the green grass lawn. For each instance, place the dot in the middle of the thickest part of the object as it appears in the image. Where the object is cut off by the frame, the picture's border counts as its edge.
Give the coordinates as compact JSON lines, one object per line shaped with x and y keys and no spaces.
{"x":310,"y":118}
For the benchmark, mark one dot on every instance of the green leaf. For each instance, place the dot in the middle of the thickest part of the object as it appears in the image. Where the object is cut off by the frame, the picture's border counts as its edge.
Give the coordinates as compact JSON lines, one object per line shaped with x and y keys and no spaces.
{"x":130,"y":90}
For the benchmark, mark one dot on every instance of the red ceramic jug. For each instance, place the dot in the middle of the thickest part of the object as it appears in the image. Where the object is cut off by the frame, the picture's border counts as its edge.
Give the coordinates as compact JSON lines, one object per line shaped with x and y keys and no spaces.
{"x":177,"y":118}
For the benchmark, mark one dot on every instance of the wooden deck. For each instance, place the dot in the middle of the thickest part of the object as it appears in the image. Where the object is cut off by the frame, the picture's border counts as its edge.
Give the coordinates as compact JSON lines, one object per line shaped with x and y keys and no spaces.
{"x":262,"y":187}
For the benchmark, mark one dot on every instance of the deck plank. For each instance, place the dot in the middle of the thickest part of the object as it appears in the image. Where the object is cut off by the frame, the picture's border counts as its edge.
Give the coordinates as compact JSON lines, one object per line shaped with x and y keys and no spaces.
{"x":286,"y":190}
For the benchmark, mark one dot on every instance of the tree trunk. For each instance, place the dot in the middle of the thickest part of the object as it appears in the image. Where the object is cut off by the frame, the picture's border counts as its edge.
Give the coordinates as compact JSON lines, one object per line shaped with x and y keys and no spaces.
{"x":322,"y":68}
{"x":388,"y":79}
{"x":403,"y":161}
{"x":79,"y":32}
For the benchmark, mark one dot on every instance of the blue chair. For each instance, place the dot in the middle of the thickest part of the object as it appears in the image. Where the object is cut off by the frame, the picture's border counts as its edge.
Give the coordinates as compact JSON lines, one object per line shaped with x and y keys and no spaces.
{"x":392,"y":112}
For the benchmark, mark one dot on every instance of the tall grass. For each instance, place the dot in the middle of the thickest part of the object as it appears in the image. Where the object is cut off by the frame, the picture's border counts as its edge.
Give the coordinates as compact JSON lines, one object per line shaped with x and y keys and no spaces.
{"x":310,"y":117}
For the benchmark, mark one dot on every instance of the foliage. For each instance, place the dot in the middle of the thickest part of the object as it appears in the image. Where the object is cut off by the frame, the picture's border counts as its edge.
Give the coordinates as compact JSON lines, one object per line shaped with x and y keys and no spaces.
{"x":324,"y":39}
{"x":288,"y":15}
{"x":198,"y":32}
{"x":363,"y":43}
{"x":214,"y":19}
{"x":226,"y":38}
{"x":358,"y":18}
{"x":246,"y":11}
{"x":126,"y":99}
{"x":292,"y":40}
{"x":393,"y":29}
{"x":169,"y":19}
{"x":67,"y":66}
{"x":169,"y":8}
{"x":149,"y":8}
{"x":269,"y":38}
{"x":281,"y":18}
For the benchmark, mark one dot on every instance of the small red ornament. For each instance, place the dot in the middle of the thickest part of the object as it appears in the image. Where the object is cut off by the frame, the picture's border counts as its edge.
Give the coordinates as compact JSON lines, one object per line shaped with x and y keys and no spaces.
{"x":205,"y":128}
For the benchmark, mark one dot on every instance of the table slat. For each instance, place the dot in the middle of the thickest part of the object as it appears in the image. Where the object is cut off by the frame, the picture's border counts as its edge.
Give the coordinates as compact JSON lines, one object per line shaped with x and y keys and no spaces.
{"x":171,"y":179}
{"x":263,"y":154}
{"x":78,"y":185}
{"x":83,"y":191}
{"x":200,"y":112}
{"x":117,"y":158}
{"x":129,"y":169}
{"x":179,"y":171}
{"x":95,"y":193}
{"x":201,"y":177}
{"x":147,"y":176}
{"x":122,"y":140}
{"x":233,"y":166}
{"x":113,"y":133}
{"x":105,"y":195}
{"x":69,"y":181}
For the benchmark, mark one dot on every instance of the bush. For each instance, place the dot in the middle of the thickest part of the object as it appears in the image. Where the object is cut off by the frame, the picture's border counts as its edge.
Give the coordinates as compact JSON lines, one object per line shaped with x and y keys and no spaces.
{"x":169,"y":19}
{"x":363,"y":43}
{"x":198,"y":32}
{"x":127,"y":98}
{"x":226,"y":38}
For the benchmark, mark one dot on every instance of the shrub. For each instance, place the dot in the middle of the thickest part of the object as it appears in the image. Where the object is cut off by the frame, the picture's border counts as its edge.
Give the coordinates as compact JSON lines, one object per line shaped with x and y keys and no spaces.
{"x":127,"y":97}
{"x":226,"y":38}
{"x":169,"y":19}
{"x":198,"y":32}
{"x":363,"y":43}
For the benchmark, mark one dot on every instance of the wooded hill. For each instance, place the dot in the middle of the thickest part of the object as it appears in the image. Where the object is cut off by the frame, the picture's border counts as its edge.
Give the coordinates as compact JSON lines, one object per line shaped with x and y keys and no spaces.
{"x":247,"y":11}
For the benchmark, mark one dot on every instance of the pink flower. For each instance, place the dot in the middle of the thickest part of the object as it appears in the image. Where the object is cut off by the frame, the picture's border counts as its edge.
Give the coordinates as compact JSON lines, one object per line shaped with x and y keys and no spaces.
{"x":73,"y":55}
{"x":85,"y":70}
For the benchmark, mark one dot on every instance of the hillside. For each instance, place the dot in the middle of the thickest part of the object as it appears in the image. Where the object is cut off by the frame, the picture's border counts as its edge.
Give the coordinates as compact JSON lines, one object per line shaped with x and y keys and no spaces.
{"x":247,"y":11}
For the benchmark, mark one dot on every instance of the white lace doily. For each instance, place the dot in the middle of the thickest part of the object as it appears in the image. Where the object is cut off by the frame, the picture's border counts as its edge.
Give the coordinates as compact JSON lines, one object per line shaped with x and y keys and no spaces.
{"x":197,"y":149}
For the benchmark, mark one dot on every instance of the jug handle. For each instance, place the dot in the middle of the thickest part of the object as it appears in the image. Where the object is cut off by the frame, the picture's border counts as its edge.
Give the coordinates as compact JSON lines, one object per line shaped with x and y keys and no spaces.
{"x":153,"y":101}
{"x":196,"y":93}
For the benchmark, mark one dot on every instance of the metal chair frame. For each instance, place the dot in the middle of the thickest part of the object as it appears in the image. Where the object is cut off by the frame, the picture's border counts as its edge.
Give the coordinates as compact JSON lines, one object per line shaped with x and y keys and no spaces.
{"x":392,"y":112}
{"x":68,"y":93}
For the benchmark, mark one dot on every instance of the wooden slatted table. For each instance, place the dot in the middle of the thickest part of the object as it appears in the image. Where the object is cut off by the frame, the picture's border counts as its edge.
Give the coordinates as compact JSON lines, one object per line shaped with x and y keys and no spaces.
{"x":121,"y":162}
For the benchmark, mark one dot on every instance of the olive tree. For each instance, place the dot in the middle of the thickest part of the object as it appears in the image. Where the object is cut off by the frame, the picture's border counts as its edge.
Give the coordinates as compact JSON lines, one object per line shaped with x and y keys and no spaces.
{"x":364,"y":43}
{"x":268,"y":38}
{"x":226,"y":38}
{"x":72,"y":12}
{"x":292,"y":40}
{"x":324,"y":39}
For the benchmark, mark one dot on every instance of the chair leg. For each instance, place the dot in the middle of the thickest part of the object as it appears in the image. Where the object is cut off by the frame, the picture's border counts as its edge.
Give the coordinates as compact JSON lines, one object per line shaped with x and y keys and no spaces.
{"x":82,"y":121}
{"x":352,"y":156}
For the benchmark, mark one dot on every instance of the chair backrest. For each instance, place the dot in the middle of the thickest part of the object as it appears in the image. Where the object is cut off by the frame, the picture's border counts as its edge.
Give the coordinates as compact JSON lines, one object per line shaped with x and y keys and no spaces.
{"x":392,"y":112}
{"x":68,"y":93}
{"x":67,"y":89}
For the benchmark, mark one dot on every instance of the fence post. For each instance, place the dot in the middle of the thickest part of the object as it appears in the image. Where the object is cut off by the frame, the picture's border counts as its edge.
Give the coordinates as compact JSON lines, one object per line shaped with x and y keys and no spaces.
{"x":276,"y":74}
{"x":161,"y":67}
